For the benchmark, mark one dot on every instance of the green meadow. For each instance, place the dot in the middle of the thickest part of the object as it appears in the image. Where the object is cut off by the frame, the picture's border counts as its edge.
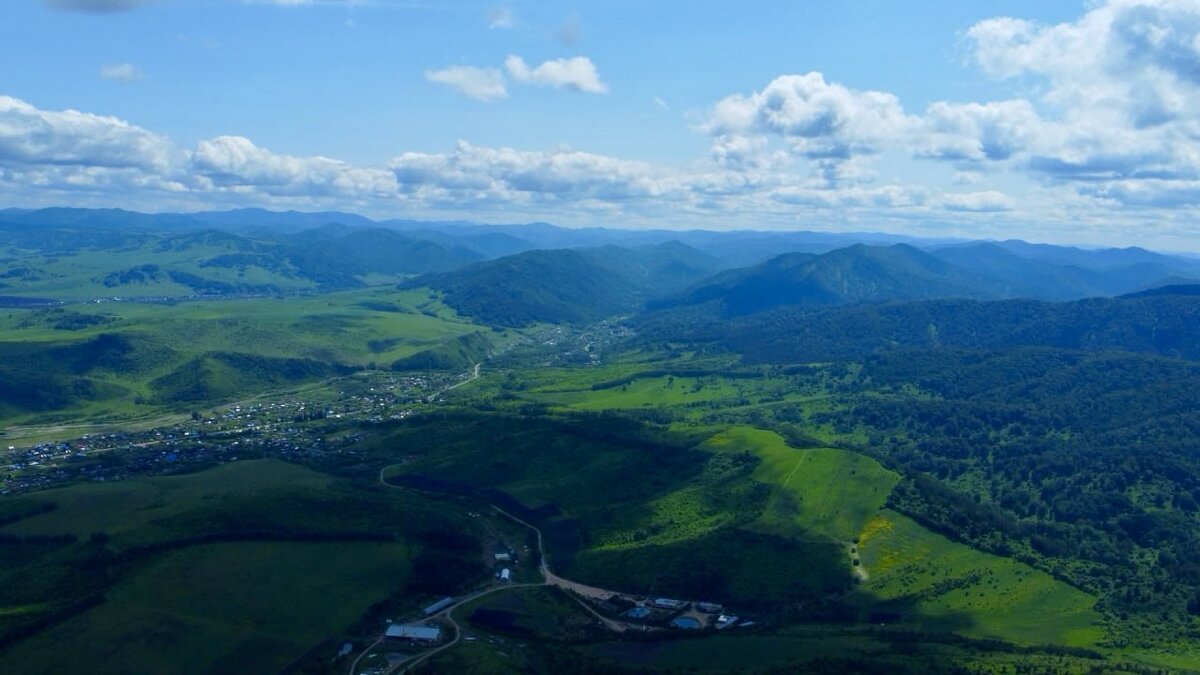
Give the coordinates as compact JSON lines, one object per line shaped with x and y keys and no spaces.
{"x":822,"y":491}
{"x":945,"y":585}
{"x":137,"y":510}
{"x":950,"y":586}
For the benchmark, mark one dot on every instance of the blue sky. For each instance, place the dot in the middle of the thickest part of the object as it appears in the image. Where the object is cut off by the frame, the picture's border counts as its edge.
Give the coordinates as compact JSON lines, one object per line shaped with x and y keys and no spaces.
{"x":1064,"y":121}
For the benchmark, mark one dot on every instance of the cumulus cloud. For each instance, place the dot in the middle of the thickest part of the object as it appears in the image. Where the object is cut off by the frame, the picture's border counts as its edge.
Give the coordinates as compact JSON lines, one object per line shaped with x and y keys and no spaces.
{"x":484,"y":84}
{"x":979,"y":202}
{"x":234,"y":161}
{"x":977,"y":132}
{"x":473,"y":172}
{"x":1123,"y":82}
{"x":122,"y":72}
{"x":29,"y":135}
{"x":96,"y":5}
{"x":578,"y":73}
{"x":814,"y":119}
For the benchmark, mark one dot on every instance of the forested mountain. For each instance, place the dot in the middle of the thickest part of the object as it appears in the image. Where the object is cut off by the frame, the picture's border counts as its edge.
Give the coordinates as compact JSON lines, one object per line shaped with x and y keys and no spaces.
{"x":858,"y":273}
{"x":863,"y":274}
{"x":1166,"y":324}
{"x":568,"y":285}
{"x":1064,"y":277}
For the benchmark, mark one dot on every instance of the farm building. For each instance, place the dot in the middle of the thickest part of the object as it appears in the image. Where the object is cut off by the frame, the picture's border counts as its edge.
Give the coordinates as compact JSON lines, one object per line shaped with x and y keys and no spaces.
{"x":667,"y":603}
{"x":709,"y":607}
{"x":438,"y":606}
{"x":418,"y":633}
{"x":503,"y":557}
{"x":505,"y":575}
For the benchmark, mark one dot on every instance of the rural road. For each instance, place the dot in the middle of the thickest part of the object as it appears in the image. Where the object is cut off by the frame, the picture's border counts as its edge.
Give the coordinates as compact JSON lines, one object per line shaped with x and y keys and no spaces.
{"x":549,"y":579}
{"x":575,"y":587}
{"x":474,"y":376}
{"x":448,"y":615}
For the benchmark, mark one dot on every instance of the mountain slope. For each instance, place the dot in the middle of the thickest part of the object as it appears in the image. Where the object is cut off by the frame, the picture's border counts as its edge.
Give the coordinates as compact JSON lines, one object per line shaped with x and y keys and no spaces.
{"x":1062,"y":276}
{"x":567,"y":285}
{"x":1167,"y":325}
{"x":854,"y":274}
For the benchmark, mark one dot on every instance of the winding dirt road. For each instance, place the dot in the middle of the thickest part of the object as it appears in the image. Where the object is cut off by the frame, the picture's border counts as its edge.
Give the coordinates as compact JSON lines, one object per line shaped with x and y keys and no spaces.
{"x":549,"y":578}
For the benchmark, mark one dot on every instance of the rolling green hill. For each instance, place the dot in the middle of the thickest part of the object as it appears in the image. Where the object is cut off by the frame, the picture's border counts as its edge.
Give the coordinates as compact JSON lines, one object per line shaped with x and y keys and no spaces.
{"x":124,"y":359}
{"x":568,"y":286}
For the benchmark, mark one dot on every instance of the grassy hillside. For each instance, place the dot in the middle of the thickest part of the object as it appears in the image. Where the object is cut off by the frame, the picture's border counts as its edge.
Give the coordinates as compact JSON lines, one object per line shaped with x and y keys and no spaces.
{"x":84,"y":260}
{"x":124,"y":359}
{"x":241,"y":568}
{"x":221,"y":608}
{"x":819,"y":491}
{"x":629,"y":507}
{"x":942,"y":585}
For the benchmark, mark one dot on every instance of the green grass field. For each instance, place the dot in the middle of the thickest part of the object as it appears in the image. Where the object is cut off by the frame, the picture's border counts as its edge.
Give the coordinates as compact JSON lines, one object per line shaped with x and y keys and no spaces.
{"x":955,"y":587}
{"x":221,"y":608}
{"x":129,"y":509}
{"x":822,"y":491}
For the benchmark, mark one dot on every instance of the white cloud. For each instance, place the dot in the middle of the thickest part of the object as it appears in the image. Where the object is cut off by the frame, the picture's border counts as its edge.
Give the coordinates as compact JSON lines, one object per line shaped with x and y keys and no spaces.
{"x":478,"y":173}
{"x":813,"y":118}
{"x":484,"y":84}
{"x":122,"y":72}
{"x":978,"y":202}
{"x":1121,"y":86}
{"x":660,"y":104}
{"x":578,"y":73}
{"x":236,"y":162}
{"x":502,"y":17}
{"x":38,"y":137}
{"x":976,"y":132}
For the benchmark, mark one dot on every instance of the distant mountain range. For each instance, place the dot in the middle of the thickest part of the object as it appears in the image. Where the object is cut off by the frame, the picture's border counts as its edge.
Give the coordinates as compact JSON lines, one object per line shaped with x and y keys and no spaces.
{"x":862,"y":273}
{"x":518,"y":274}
